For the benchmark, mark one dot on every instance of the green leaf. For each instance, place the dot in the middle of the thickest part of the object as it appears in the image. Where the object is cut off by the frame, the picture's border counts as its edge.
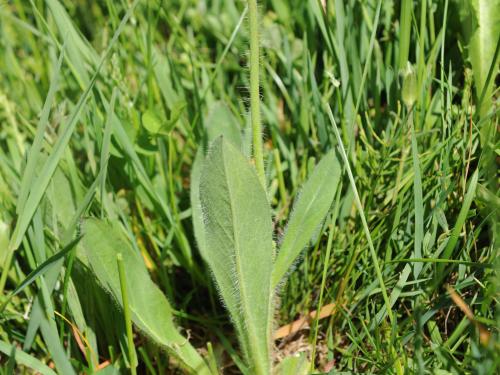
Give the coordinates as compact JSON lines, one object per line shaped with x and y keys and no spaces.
{"x":485,"y":20}
{"x":151,"y":312}
{"x":175,"y":114}
{"x":293,"y":365}
{"x":4,"y":240}
{"x":79,"y":49}
{"x":42,"y":268}
{"x":196,"y":211}
{"x":308,"y":212}
{"x":404,"y":32}
{"x":239,"y":250}
{"x":26,"y":360}
{"x":455,"y":233}
{"x":151,"y":121}
{"x":219,"y":122}
{"x":42,"y":181}
{"x":419,"y":200}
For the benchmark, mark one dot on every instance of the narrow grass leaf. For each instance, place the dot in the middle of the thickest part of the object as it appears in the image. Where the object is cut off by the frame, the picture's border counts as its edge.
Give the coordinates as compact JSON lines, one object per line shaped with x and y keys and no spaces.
{"x":41,"y":183}
{"x":27,"y":360}
{"x":79,"y":50}
{"x":419,"y":205}
{"x":405,"y":21}
{"x":357,"y":200}
{"x":44,"y":267}
{"x":34,"y":152}
{"x":462,"y":215}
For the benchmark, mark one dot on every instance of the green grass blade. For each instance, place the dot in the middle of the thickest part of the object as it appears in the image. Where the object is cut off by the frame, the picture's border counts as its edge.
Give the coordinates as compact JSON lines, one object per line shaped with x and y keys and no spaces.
{"x":79,"y":50}
{"x":361,"y":213}
{"x":453,"y":239}
{"x":27,"y":360}
{"x":440,"y":260}
{"x":41,"y":183}
{"x":418,"y":199}
{"x":405,"y":21}
{"x":34,"y":153}
{"x":42,"y":269}
{"x":106,"y":141}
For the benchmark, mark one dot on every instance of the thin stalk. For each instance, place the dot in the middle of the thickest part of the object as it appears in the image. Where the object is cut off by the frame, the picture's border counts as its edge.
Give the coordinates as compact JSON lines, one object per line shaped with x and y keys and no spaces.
{"x":258,"y":153}
{"x":421,"y":44}
{"x":281,"y":180}
{"x":404,"y":32}
{"x":126,"y":313}
{"x":418,"y":196}
{"x":323,"y":283}
{"x":359,"y":205}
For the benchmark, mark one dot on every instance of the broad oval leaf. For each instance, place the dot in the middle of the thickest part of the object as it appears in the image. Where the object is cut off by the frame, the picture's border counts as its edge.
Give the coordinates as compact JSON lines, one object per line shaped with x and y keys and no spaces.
{"x":221,"y":121}
{"x":151,"y":312}
{"x":308,"y":212}
{"x":151,"y":121}
{"x":238,"y":246}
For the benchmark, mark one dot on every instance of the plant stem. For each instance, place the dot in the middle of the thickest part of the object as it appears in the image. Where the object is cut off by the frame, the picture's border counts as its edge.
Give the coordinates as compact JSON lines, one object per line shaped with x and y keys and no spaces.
{"x":126,"y":313}
{"x":322,"y":289}
{"x":281,"y":180}
{"x":404,"y":32}
{"x":357,"y":201}
{"x":254,"y":91}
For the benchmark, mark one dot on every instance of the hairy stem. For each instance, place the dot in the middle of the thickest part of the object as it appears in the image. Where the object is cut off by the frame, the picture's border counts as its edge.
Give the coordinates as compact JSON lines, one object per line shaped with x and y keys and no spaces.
{"x":254,"y":91}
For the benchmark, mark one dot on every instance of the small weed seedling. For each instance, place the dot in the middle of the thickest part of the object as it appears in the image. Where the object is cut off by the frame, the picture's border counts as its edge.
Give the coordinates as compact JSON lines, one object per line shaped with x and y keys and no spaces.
{"x":235,"y":231}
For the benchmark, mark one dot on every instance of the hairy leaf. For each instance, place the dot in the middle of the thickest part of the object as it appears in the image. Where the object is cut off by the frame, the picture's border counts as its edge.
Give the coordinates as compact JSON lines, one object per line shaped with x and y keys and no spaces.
{"x":308,"y":213}
{"x":219,"y":122}
{"x":293,"y":365}
{"x":238,"y":235}
{"x":196,"y":212}
{"x":151,"y":312}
